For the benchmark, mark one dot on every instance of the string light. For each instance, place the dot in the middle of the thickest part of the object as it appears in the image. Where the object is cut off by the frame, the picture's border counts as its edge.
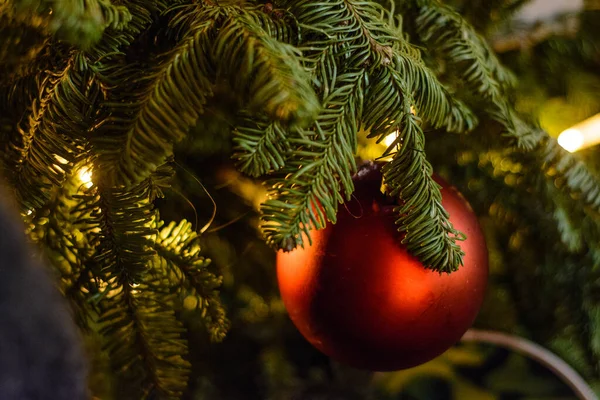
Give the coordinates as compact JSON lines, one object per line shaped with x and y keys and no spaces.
{"x":581,"y":136}
{"x":389,"y":139}
{"x":85,"y":177}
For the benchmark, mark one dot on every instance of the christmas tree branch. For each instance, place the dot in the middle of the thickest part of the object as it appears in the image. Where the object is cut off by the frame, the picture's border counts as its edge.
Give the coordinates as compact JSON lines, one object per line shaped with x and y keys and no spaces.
{"x":181,"y":91}
{"x":279,"y":24}
{"x":148,"y":114}
{"x":61,"y":229}
{"x":395,"y":70}
{"x":265,"y":72}
{"x":469,"y":55}
{"x":320,"y":163}
{"x":568,"y":168}
{"x":144,"y":340}
{"x":138,"y":322}
{"x":388,"y":108}
{"x":52,"y":140}
{"x":307,"y":193}
{"x":429,"y":233}
{"x":384,"y":99}
{"x":79,"y":22}
{"x":432,"y":100}
{"x":178,"y":249}
{"x":260,"y":146}
{"x":354,"y":24}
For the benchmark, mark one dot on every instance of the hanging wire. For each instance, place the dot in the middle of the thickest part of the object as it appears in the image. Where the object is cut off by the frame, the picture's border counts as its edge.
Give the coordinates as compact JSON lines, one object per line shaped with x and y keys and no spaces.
{"x":538,"y":353}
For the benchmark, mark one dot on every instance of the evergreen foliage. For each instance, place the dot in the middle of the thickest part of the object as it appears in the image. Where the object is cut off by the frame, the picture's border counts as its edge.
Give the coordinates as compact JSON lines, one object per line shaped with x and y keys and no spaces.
{"x":110,"y":89}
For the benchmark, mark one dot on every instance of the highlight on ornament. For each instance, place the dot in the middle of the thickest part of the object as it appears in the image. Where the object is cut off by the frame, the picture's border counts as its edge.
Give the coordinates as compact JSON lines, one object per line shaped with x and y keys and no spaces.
{"x":581,"y":136}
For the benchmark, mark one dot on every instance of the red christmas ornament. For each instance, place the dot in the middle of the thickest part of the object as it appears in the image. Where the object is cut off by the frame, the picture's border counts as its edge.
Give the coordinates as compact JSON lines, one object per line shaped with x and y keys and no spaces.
{"x":358,"y":296}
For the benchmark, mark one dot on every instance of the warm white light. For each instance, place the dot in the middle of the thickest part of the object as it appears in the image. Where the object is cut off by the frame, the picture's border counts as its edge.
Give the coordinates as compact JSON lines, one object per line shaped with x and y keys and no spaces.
{"x":571,"y":140}
{"x":29,"y":212}
{"x":389,"y":139}
{"x":85,"y":176}
{"x":584,"y":134}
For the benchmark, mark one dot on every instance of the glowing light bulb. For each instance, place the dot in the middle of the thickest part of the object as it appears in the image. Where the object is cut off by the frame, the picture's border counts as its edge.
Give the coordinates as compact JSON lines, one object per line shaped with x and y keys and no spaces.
{"x":389,"y":139}
{"x":571,"y":140}
{"x":584,"y":134}
{"x":85,"y":176}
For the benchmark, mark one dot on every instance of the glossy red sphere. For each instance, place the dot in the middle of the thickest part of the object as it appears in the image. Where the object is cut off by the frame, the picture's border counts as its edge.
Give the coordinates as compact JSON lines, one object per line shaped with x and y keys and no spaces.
{"x":359,"y":297}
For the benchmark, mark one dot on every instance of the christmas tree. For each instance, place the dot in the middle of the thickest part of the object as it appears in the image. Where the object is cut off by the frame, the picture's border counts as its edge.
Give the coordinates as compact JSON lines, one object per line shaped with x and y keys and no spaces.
{"x":162,"y":151}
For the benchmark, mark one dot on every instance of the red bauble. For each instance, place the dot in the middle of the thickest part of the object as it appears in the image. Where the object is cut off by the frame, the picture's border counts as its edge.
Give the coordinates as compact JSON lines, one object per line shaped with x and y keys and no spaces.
{"x":358,"y":296}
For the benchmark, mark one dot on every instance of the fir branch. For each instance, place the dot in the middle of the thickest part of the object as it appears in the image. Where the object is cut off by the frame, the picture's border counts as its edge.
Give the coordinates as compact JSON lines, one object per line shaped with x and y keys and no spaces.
{"x":304,"y":199}
{"x":80,"y":22}
{"x":278,"y":23}
{"x":432,"y":100}
{"x":118,"y":38}
{"x":367,"y":16}
{"x":124,"y":233}
{"x":144,"y":340}
{"x":178,"y":249}
{"x":167,"y":99}
{"x":470,"y":56}
{"x":428,"y":232}
{"x":17,"y":95}
{"x":384,"y":99}
{"x":260,"y":146}
{"x":350,"y":26}
{"x":320,"y":164}
{"x":574,"y":174}
{"x":266,"y":73}
{"x":318,"y":169}
{"x":142,"y":335}
{"x":466,"y":51}
{"x":151,"y":112}
{"x":60,"y":227}
{"x":52,"y":141}
{"x":23,"y":92}
{"x":429,"y":235}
